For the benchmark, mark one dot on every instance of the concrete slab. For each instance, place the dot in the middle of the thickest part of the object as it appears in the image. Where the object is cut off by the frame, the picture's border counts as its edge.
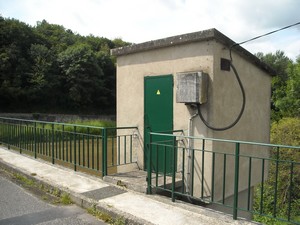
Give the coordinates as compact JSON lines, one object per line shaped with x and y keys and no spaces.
{"x":62,"y":177}
{"x":149,"y":210}
{"x":134,"y":180}
{"x":104,"y":192}
{"x":158,"y":212}
{"x":137,"y":180}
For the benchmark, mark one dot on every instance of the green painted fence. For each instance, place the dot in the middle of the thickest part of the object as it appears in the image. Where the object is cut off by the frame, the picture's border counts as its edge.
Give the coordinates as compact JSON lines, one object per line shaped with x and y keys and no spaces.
{"x":214,"y":171}
{"x":89,"y":148}
{"x":234,"y":165}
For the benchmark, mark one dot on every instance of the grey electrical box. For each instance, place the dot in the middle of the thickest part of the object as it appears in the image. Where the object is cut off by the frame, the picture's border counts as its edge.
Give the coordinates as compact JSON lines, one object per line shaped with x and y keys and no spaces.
{"x":192,"y":87}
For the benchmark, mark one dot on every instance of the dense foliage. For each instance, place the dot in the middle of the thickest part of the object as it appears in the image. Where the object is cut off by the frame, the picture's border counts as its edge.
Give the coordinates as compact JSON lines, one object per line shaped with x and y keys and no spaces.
{"x":285,"y":85}
{"x":287,"y":180}
{"x":47,"y":68}
{"x":283,"y":201}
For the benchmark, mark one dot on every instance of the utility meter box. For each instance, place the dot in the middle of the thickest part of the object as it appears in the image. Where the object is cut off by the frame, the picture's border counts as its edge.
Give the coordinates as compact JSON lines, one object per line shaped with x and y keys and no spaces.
{"x":192,"y":88}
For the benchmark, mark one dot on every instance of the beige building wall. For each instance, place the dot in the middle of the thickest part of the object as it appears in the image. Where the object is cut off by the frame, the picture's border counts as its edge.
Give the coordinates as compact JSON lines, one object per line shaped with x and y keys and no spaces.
{"x":131,"y":70}
{"x":253,"y":126}
{"x":223,"y":106}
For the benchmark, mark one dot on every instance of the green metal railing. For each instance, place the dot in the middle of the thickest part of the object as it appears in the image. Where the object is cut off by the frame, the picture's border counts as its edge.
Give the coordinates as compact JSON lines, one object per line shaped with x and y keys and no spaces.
{"x":88,"y":147}
{"x":215,"y":171}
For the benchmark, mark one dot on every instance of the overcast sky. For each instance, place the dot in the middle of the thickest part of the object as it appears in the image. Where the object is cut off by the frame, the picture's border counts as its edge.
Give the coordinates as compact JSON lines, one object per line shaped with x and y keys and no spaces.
{"x":144,"y":20}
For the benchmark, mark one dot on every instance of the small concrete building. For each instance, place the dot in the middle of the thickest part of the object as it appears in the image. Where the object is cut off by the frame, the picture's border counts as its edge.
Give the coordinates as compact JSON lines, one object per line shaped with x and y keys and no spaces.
{"x":155,"y":80}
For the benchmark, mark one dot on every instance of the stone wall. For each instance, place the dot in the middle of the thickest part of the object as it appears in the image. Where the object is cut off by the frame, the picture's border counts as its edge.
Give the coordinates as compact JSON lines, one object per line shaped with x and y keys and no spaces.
{"x":57,"y":117}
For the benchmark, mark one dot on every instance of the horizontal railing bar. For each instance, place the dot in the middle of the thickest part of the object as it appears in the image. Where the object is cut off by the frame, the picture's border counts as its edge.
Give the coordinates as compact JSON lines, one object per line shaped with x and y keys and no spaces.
{"x":226,"y":140}
{"x":168,"y":131}
{"x":122,"y":135}
{"x":55,"y":123}
{"x":120,"y":128}
{"x":66,"y":124}
{"x":223,"y":153}
{"x":193,"y":149}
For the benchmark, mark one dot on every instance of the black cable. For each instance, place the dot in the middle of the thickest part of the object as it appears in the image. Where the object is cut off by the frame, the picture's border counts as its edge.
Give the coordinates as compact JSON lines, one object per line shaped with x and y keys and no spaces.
{"x":242,"y":108}
{"x":239,"y":80}
{"x":260,"y":36}
{"x":263,"y":35}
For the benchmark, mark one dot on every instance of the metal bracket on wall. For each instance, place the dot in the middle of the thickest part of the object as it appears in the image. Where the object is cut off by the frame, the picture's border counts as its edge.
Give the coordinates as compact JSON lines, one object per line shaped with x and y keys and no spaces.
{"x":225,"y":64}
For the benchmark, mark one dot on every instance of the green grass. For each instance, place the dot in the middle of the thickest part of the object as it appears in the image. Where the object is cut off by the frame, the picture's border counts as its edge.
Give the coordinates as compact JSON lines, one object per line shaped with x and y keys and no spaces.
{"x":62,"y":197}
{"x":65,"y":199}
{"x":69,"y":126}
{"x":24,"y":179}
{"x":96,"y":123}
{"x":105,"y":216}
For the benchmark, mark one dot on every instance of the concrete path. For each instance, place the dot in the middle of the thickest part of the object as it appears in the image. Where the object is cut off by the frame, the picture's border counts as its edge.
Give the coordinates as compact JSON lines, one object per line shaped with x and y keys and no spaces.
{"x":88,"y":191}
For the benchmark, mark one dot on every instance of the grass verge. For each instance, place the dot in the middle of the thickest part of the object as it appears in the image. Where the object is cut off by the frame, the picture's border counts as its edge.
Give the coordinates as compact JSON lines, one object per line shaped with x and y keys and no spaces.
{"x":105,"y":217}
{"x":51,"y":195}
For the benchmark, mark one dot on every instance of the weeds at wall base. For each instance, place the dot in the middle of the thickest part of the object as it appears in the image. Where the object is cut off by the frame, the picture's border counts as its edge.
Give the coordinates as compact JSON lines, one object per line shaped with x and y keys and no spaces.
{"x":57,"y":196}
{"x":105,"y":217}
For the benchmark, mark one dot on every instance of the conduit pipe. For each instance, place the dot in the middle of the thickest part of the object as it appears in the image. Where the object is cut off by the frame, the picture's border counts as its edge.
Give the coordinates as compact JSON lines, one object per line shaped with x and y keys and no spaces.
{"x":190,"y":146}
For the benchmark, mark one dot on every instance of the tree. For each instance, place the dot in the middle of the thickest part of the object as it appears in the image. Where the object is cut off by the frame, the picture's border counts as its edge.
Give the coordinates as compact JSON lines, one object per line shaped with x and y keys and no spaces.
{"x":15,"y":40}
{"x":105,"y":61}
{"x":118,"y":42}
{"x":48,"y":68}
{"x":83,"y":76}
{"x":45,"y":89}
{"x":285,"y":85}
{"x":55,"y":36}
{"x":290,"y":103}
{"x":285,"y":130}
{"x":42,"y":59}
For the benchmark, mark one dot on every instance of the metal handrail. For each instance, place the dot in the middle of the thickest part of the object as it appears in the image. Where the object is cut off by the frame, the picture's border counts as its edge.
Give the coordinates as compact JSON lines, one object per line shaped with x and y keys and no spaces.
{"x":67,"y":144}
{"x":230,"y":173}
{"x":227,"y":140}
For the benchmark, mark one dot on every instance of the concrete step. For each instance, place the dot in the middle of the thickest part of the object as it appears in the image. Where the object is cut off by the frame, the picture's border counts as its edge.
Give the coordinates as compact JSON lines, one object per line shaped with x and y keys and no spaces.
{"x":137,"y":181}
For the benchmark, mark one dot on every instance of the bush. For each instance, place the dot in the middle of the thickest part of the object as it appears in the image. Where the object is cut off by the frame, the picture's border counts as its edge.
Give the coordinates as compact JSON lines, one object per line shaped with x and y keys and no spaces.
{"x":284,"y":132}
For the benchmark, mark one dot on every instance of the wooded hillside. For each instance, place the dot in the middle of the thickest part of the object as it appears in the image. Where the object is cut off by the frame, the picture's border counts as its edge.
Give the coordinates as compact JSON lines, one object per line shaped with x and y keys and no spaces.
{"x":48,"y":68}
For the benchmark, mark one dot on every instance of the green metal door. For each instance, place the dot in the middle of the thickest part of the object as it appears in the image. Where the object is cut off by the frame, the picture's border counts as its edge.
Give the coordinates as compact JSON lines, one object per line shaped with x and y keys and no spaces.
{"x":158,"y":106}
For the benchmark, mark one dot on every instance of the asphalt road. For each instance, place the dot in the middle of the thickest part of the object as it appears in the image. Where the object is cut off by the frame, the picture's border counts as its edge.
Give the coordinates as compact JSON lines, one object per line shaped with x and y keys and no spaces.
{"x":20,"y":207}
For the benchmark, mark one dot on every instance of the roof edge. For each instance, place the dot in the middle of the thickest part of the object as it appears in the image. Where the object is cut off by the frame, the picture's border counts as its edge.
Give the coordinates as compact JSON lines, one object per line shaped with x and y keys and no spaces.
{"x":205,"y":35}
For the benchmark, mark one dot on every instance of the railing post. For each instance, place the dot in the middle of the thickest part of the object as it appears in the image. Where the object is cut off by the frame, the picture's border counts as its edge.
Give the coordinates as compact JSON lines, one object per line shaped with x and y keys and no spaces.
{"x":1,"y":131}
{"x":290,"y":191}
{"x":34,"y":139}
{"x":88,"y":147}
{"x":104,"y":152}
{"x":191,"y":189}
{"x":149,"y":172}
{"x":236,"y":180}
{"x":75,"y":149}
{"x":19,"y":136}
{"x":173,"y":170}
{"x":276,"y":182}
{"x":52,"y":140}
{"x":8,"y":136}
{"x":213,"y":177}
{"x":63,"y":142}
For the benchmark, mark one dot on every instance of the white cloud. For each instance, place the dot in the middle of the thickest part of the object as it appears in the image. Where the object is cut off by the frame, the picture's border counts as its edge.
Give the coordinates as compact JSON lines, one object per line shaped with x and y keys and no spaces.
{"x":142,"y":20}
